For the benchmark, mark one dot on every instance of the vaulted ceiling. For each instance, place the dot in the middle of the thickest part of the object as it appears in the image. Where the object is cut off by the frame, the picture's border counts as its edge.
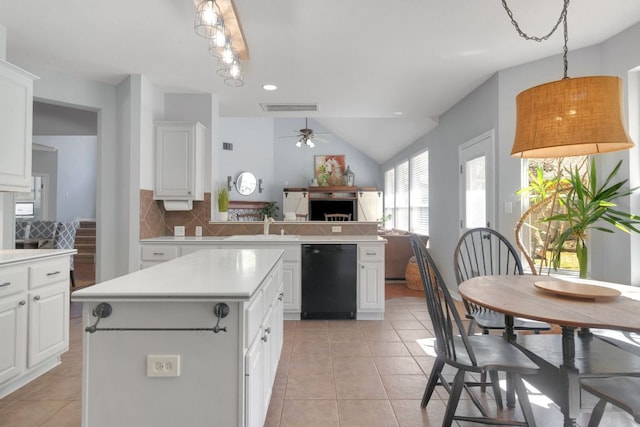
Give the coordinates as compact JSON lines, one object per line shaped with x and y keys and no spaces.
{"x":381,"y":72}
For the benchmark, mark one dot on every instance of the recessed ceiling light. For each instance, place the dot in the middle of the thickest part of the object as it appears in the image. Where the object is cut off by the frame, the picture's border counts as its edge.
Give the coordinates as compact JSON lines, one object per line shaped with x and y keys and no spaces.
{"x":397,"y":113}
{"x":269,"y":87}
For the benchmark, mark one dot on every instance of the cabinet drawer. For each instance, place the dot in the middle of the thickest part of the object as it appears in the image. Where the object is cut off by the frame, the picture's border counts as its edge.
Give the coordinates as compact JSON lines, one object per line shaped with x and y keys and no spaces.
{"x":371,"y":253}
{"x":13,"y":280}
{"x":46,"y":273}
{"x":159,"y":253}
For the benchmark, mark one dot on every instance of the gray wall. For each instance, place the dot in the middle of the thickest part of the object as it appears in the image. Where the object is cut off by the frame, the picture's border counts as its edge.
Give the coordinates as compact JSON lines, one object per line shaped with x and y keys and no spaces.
{"x":46,"y":162}
{"x":50,"y":119}
{"x":474,"y":115}
{"x":492,"y":106}
{"x":76,"y":175}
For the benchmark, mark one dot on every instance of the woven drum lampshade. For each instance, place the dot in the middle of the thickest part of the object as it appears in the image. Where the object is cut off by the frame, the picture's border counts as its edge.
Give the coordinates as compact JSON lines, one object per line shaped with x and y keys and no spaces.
{"x":570,"y":117}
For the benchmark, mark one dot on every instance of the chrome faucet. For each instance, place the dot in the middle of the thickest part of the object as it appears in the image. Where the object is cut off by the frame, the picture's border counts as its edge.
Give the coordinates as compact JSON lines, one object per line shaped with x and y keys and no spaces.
{"x":267,"y":223}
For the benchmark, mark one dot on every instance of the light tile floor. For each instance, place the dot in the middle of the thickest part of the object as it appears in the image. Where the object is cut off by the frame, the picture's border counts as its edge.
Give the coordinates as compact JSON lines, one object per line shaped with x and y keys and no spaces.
{"x":332,"y":373}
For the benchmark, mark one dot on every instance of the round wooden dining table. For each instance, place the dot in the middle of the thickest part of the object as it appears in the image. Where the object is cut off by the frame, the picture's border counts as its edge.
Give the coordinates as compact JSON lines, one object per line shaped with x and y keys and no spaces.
{"x":564,"y":358}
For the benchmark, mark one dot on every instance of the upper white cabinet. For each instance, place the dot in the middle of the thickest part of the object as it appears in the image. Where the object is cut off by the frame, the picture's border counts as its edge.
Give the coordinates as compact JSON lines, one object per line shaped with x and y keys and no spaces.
{"x":179,"y":161}
{"x":369,"y":205}
{"x":16,"y":116}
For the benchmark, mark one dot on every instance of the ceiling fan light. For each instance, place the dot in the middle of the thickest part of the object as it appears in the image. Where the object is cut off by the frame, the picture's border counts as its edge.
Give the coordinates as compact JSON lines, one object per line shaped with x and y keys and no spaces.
{"x":299,"y":144}
{"x":570,"y":117}
{"x":310,"y":143}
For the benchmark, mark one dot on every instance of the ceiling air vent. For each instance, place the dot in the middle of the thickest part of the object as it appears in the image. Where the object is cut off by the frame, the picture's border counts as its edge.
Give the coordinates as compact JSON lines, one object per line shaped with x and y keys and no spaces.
{"x":286,"y":108}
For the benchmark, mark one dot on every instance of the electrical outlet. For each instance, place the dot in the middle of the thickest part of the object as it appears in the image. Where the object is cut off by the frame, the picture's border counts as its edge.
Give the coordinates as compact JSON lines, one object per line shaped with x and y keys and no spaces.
{"x":178,"y":231}
{"x":163,"y":365}
{"x":336,"y":229}
{"x":198,"y":231}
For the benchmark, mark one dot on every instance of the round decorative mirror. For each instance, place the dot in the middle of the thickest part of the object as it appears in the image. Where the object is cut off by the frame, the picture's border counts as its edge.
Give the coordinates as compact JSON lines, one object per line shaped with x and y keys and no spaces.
{"x":246,"y":183}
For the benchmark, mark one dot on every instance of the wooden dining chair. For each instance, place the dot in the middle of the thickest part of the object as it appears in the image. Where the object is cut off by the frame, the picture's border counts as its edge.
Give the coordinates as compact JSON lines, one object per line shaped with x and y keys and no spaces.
{"x":623,"y":392}
{"x":468,"y":354}
{"x":485,"y":252}
{"x":337,"y":217}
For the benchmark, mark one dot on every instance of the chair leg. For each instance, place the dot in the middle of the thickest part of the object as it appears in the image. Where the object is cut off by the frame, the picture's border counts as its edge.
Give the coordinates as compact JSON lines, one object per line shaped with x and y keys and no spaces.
{"x":433,"y":381}
{"x":511,"y":392}
{"x":454,"y":398}
{"x":523,"y":398}
{"x":73,"y":279}
{"x":597,"y":413}
{"x":495,"y":384}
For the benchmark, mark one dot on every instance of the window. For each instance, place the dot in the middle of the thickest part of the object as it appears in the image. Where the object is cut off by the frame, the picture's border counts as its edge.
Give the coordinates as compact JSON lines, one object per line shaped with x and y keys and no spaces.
{"x":536,"y":234}
{"x":407,"y":194}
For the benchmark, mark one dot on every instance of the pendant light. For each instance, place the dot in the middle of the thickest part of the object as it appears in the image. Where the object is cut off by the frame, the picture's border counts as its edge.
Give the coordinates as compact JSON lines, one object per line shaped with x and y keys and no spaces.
{"x":569,"y":117}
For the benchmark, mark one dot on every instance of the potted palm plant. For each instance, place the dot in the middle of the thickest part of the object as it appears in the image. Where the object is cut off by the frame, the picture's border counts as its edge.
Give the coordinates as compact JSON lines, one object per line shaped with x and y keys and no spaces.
{"x":582,"y":205}
{"x":223,"y":203}
{"x":585,"y":206}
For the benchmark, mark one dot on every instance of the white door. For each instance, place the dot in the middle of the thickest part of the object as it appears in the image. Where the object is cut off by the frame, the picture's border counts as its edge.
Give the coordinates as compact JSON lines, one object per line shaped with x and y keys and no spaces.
{"x":477,"y":182}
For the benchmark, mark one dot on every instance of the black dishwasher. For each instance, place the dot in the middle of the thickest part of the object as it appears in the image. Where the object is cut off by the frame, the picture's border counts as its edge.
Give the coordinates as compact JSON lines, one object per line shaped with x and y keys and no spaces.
{"x":329,"y":281}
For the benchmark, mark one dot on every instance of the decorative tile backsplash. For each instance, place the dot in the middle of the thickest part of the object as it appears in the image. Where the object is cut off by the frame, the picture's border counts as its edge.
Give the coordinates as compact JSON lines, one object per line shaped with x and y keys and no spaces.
{"x":155,"y":221}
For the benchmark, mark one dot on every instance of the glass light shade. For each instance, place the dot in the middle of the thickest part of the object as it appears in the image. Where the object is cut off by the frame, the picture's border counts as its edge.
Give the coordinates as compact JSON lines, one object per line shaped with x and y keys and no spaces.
{"x":228,"y":55}
{"x":208,"y":19}
{"x":310,"y":143}
{"x":570,"y":117}
{"x":218,"y":42}
{"x":232,"y":73}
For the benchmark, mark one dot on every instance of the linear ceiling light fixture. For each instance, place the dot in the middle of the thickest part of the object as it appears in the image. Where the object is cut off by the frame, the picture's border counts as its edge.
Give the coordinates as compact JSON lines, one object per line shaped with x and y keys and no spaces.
{"x":568,"y":117}
{"x":210,"y":23}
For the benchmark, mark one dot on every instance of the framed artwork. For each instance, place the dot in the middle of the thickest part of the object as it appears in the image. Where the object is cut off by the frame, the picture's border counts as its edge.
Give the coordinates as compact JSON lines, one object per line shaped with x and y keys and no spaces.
{"x":329,"y":169}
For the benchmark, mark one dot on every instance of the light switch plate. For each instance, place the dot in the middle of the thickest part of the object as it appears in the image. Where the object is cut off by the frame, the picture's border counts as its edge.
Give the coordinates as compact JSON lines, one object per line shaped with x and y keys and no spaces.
{"x":336,"y":229}
{"x":198,"y":231}
{"x":178,"y":231}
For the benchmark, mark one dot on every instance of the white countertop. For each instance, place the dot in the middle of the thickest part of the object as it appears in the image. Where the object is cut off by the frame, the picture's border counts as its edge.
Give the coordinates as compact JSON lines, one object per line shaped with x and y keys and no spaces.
{"x":205,"y":274}
{"x":274,"y":239}
{"x":12,"y":256}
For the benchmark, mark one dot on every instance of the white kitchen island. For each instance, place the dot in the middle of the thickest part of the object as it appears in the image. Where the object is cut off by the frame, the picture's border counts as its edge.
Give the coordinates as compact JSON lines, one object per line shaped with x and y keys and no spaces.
{"x":190,"y":342}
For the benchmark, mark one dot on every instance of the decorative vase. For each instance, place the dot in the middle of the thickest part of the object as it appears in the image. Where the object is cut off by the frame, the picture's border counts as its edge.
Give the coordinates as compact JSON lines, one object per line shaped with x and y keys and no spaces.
{"x":223,"y":216}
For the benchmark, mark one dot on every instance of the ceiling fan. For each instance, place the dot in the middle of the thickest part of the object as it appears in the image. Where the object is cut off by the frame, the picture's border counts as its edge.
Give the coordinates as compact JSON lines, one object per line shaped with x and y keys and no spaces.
{"x":307,"y":136}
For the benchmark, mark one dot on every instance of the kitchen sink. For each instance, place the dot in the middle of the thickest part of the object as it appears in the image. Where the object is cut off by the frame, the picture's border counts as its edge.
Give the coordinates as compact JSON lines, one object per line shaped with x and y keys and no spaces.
{"x":263,"y":237}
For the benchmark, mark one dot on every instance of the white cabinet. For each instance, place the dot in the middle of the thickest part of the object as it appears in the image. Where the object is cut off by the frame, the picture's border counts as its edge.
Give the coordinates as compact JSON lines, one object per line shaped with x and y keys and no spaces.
{"x":48,"y":322}
{"x":263,"y":355}
{"x":13,"y":339}
{"x":179,"y":161}
{"x":155,"y":254}
{"x":34,"y":319}
{"x":370,"y":205}
{"x":371,"y":281}
{"x":225,"y":377}
{"x":16,"y":116}
{"x":295,"y":201}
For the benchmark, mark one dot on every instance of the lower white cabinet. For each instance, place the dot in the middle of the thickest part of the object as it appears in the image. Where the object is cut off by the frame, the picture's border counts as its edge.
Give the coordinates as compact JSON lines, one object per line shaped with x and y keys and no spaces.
{"x":34,"y":319}
{"x":13,"y":339}
{"x":370,"y":269}
{"x":370,"y":280}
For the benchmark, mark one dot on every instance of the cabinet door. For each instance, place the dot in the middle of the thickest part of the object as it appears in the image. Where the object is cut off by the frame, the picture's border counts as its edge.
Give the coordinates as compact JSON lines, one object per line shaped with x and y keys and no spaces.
{"x":16,"y":112}
{"x":13,"y":336}
{"x":371,"y":286}
{"x":291,"y":286}
{"x":48,"y":322}
{"x":369,"y":205}
{"x":253,"y":384}
{"x":178,"y":147}
{"x":295,"y":201}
